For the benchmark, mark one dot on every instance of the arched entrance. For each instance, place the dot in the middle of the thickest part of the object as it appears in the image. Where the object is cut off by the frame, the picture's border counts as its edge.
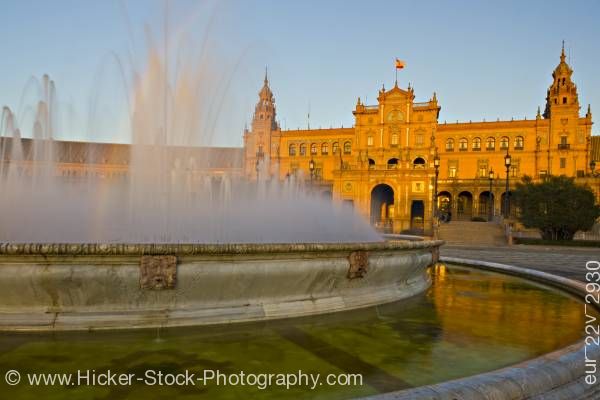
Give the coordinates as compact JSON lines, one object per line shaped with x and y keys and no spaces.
{"x":444,"y":200}
{"x":382,"y":207}
{"x":486,"y":205}
{"x":464,"y":205}
{"x":417,"y":215}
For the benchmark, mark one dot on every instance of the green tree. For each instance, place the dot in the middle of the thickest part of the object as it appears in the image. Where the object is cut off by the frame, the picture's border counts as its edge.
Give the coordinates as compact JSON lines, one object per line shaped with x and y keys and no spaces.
{"x":557,"y":206}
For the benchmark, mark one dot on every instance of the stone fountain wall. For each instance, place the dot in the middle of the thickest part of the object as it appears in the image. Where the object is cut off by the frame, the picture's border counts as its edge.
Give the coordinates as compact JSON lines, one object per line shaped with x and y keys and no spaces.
{"x":97,"y":286}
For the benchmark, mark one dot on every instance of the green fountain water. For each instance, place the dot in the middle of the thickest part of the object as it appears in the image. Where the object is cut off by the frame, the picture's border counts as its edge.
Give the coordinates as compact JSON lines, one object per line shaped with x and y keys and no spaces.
{"x":467,"y":323}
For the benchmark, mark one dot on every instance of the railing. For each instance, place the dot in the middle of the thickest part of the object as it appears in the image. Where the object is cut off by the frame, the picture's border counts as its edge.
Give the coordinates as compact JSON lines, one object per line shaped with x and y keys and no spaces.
{"x":371,"y":107}
{"x":424,"y":104}
{"x":564,"y":146}
{"x":518,"y":147}
{"x":476,"y":149}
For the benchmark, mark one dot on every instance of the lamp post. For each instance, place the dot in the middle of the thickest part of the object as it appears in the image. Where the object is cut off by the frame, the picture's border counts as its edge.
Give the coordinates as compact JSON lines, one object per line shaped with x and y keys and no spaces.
{"x":507,"y":161}
{"x":593,"y":167}
{"x":491,"y":200}
{"x":257,"y":169}
{"x":311,"y":167}
{"x":436,"y":165}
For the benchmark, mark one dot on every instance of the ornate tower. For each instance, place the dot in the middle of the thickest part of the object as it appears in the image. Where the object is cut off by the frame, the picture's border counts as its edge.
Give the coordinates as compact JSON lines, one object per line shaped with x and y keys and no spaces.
{"x":562,"y":94}
{"x":565,"y":140}
{"x":259,"y":143}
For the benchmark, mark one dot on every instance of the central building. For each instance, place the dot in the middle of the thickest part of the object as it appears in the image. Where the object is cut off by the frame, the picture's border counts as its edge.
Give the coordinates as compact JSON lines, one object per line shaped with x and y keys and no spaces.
{"x":384,"y":165}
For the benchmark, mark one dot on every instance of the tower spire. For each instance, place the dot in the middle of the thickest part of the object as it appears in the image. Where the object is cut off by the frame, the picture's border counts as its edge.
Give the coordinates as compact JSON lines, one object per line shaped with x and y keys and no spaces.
{"x":562,"y":53}
{"x":266,"y":76}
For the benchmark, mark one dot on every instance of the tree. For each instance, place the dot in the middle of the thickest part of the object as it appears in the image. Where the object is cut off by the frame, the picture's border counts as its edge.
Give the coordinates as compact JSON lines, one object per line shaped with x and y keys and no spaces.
{"x":557,"y":206}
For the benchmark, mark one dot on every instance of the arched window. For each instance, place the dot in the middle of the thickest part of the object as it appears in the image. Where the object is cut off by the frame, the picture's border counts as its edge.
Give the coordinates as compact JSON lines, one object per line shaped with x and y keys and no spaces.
{"x":519,"y":142}
{"x":477,"y":144}
{"x":313,"y":149}
{"x":335,"y":147}
{"x":450,"y":144}
{"x":303,"y":149}
{"x":490,"y":143}
{"x":504,"y":142}
{"x":463,"y":144}
{"x":371,"y":163}
{"x":347,"y":148}
{"x":292,"y":150}
{"x":392,"y":163}
{"x":324,"y":149}
{"x":419,"y":162}
{"x":394,"y":139}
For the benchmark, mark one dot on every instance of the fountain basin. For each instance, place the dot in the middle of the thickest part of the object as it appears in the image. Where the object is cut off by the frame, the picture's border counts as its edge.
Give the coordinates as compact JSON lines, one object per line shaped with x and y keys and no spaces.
{"x":113,"y":286}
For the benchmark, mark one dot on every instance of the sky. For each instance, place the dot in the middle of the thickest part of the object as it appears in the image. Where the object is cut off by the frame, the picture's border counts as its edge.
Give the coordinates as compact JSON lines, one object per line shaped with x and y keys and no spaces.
{"x":484,"y":59}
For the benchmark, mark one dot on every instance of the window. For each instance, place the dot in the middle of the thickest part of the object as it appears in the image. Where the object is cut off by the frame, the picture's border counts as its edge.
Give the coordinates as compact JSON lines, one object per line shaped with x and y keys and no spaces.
{"x":369,"y":141}
{"x":482,"y":168}
{"x":419,"y":139}
{"x":335,"y":147}
{"x":452,"y":171}
{"x":394,"y":139}
{"x":392,"y":163}
{"x":514,"y":168}
{"x":504,"y":143}
{"x":477,"y":144}
{"x":519,"y":141}
{"x":324,"y":149}
{"x":563,"y":140}
{"x":463,"y":144}
{"x":371,"y":163}
{"x":564,"y":100}
{"x":543,"y":173}
{"x":313,"y":149}
{"x":419,"y":162}
{"x":347,"y":148}
{"x":563,"y":163}
{"x":453,"y":168}
{"x":302,"y":149}
{"x":450,"y":145}
{"x":292,"y":150}
{"x":490,"y":143}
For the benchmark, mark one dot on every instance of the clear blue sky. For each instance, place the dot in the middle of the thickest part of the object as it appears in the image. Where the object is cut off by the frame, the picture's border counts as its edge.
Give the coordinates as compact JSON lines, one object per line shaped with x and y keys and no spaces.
{"x":485,"y":59}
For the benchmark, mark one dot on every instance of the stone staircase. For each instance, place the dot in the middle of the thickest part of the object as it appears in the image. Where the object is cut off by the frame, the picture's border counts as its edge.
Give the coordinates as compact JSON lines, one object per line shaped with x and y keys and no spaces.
{"x":472,"y":233}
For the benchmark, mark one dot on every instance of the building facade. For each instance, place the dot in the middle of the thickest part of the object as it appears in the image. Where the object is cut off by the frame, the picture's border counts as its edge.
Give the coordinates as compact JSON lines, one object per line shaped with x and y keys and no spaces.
{"x":384,"y":164}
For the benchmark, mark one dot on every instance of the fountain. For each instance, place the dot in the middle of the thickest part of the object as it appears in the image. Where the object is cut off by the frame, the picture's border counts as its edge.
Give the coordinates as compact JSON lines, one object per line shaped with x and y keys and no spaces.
{"x":162,"y":240}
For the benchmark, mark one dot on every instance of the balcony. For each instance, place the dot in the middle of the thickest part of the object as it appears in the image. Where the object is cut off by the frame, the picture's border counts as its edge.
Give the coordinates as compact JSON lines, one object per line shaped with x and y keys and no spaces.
{"x":462,"y":149}
{"x":518,"y":147}
{"x":490,"y":149}
{"x":564,"y":146}
{"x":449,"y":148}
{"x":476,"y":149}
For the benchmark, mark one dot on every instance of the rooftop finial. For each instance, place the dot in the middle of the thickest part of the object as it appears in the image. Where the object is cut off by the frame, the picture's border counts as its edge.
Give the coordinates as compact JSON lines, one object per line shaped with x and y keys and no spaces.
{"x":266,"y":76}
{"x":562,"y":53}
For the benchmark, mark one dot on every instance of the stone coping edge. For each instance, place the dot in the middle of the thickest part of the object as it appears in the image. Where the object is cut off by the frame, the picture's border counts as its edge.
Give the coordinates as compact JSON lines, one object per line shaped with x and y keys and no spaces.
{"x":60,"y":249}
{"x":559,"y":375}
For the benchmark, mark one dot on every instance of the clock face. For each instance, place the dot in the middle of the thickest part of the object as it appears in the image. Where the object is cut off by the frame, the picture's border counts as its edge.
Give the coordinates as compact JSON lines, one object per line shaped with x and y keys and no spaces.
{"x":395,"y":116}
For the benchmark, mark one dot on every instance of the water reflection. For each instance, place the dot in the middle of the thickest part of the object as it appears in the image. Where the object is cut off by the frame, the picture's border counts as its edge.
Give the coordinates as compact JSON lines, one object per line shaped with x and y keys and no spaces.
{"x":468,"y":322}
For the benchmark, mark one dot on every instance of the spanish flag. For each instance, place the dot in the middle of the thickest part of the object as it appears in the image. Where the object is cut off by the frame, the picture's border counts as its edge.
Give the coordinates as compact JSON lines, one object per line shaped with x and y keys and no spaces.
{"x":399,"y":64}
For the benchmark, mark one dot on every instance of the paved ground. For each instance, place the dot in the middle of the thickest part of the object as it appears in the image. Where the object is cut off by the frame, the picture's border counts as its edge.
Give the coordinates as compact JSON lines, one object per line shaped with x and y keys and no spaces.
{"x":565,"y":261}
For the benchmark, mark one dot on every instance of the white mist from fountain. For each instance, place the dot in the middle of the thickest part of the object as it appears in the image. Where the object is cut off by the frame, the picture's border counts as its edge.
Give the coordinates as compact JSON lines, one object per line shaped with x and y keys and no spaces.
{"x":169,"y":194}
